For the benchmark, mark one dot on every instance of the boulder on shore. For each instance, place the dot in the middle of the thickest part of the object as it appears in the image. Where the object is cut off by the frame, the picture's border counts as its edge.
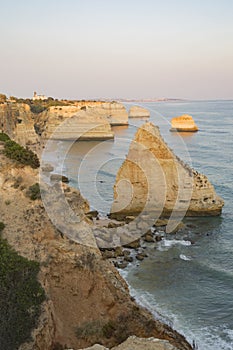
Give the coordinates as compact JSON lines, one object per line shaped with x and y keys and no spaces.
{"x":183,"y":123}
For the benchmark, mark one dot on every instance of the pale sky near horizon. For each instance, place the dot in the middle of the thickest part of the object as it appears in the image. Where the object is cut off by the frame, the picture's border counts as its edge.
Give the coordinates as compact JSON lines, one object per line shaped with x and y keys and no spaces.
{"x":117,"y":48}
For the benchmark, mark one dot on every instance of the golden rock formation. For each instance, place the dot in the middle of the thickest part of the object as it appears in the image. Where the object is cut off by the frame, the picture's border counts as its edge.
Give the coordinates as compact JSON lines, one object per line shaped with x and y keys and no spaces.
{"x":153,"y":179}
{"x":138,"y":112}
{"x":183,"y":123}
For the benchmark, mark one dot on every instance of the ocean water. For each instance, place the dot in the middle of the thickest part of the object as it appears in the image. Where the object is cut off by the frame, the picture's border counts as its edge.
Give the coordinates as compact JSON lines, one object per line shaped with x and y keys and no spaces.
{"x":187,"y":280}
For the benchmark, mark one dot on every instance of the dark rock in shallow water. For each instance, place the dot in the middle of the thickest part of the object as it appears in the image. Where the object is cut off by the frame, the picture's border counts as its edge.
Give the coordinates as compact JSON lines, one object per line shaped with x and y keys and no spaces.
{"x":47,"y":168}
{"x":133,"y":245}
{"x":119,"y":251}
{"x":126,"y":252}
{"x":121,"y":265}
{"x":128,"y":258}
{"x":57,"y":178}
{"x":108,"y":254}
{"x":140,"y":257}
{"x":148,"y":238}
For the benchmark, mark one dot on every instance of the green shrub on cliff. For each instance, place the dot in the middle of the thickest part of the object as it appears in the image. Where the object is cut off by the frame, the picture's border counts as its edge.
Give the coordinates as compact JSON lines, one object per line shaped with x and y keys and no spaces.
{"x":21,"y":296}
{"x":37,"y":108}
{"x":2,"y":226}
{"x":4,"y":137}
{"x":23,"y":155}
{"x":40,"y":106}
{"x":34,"y":192}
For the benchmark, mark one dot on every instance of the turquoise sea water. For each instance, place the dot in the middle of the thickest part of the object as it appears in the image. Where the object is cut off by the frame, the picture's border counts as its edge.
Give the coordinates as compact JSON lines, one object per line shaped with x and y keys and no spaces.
{"x":189,"y":285}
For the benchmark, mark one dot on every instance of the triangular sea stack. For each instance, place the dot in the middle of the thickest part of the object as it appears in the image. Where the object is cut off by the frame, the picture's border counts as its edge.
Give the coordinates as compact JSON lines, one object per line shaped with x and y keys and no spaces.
{"x":152,"y":178}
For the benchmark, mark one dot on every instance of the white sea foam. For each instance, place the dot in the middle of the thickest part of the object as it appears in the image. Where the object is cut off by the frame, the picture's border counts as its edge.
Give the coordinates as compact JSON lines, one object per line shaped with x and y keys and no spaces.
{"x":166,"y":244}
{"x":184,"y":257}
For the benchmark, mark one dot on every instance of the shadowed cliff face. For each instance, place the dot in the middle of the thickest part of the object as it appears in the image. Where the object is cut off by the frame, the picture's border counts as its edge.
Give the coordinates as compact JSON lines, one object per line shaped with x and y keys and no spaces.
{"x":87,"y":300}
{"x":17,"y":121}
{"x":152,"y":178}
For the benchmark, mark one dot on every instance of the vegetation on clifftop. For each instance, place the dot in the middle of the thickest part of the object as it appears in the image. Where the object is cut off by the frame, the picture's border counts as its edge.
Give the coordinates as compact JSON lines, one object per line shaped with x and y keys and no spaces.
{"x":34,"y":192}
{"x":38,"y":106}
{"x":4,"y":137}
{"x":23,"y":155}
{"x":21,"y":296}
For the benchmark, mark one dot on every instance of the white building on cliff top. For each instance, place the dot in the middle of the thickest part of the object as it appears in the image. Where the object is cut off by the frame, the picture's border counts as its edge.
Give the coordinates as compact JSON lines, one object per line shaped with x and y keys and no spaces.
{"x":39,"y":97}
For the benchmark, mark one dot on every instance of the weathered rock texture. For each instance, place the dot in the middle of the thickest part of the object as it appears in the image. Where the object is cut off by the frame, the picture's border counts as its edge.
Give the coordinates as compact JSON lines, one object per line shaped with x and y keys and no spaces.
{"x":17,"y":121}
{"x":183,"y":123}
{"x":71,"y":123}
{"x":134,"y":343}
{"x":138,"y":112}
{"x":88,"y":302}
{"x":145,"y":344}
{"x":152,"y":178}
{"x":114,"y":112}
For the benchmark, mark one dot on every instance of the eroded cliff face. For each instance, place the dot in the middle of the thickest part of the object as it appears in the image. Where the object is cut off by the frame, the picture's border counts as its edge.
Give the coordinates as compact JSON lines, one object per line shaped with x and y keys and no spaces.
{"x":152,"y":178}
{"x":87,"y":302}
{"x":84,"y":120}
{"x":17,"y":121}
{"x":114,"y":112}
{"x":71,"y":123}
{"x":138,"y":112}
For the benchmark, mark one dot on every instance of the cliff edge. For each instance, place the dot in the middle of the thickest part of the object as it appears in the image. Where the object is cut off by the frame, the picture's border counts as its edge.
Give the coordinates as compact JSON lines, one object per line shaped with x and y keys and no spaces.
{"x":87,"y":301}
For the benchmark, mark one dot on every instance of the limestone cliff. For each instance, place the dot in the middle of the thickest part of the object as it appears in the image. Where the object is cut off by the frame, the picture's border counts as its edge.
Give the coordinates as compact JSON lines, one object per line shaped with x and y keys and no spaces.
{"x":71,"y":123}
{"x":153,"y":179}
{"x":87,"y":302}
{"x":17,"y":121}
{"x":183,"y":123}
{"x":138,"y":112}
{"x":114,"y":112}
{"x":84,"y":120}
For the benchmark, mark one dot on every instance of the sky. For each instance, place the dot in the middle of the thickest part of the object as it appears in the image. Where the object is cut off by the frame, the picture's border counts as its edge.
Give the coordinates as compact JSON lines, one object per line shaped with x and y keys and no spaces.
{"x":83,"y":49}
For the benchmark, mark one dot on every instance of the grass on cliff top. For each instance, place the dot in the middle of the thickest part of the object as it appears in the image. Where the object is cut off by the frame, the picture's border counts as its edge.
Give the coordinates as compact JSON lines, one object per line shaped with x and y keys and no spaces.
{"x":21,"y":296}
{"x":23,"y":155}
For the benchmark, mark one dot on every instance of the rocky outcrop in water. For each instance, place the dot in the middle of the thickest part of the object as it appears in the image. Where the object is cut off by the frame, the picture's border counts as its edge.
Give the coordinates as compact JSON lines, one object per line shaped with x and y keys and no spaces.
{"x":138,"y":112}
{"x":153,"y":179}
{"x":183,"y":123}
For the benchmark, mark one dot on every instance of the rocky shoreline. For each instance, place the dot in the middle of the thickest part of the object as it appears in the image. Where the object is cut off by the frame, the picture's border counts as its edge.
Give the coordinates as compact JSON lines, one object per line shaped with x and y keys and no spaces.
{"x":75,"y":278}
{"x":78,"y":271}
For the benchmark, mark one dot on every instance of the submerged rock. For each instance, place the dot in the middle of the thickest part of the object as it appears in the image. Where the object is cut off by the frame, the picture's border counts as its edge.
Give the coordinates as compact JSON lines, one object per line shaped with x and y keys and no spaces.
{"x":183,"y":123}
{"x":153,"y":180}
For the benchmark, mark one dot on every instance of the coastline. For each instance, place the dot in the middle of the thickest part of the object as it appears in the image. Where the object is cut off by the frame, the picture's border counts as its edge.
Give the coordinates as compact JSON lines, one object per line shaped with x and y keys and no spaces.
{"x":207,"y":231}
